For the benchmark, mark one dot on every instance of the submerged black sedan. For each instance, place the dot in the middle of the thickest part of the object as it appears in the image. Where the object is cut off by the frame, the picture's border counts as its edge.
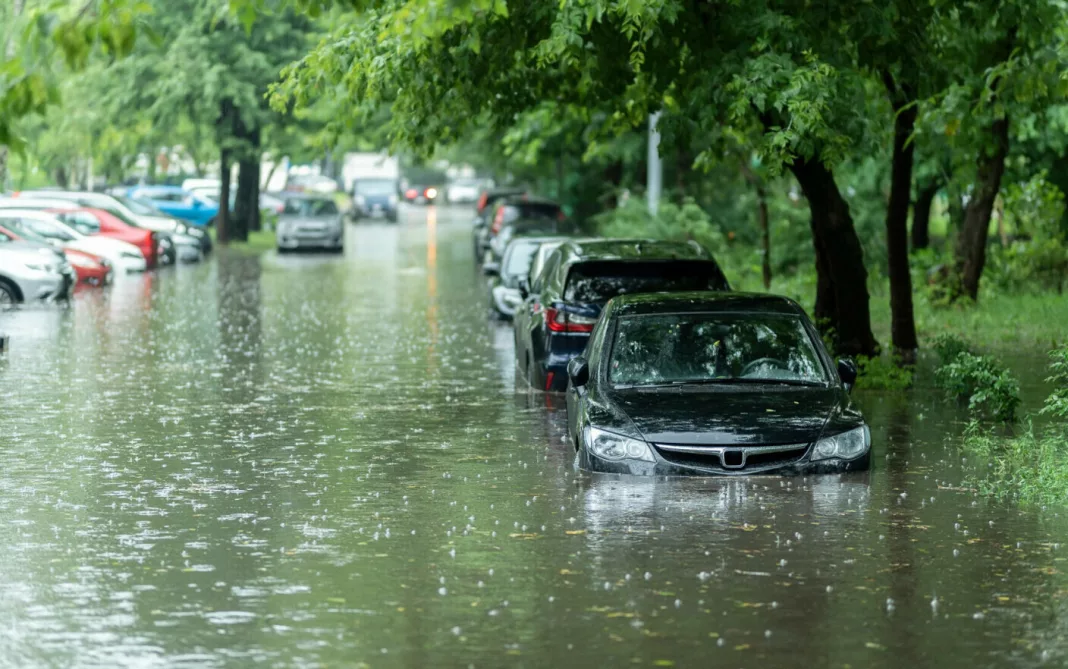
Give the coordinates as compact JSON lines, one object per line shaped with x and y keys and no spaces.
{"x":712,"y":383}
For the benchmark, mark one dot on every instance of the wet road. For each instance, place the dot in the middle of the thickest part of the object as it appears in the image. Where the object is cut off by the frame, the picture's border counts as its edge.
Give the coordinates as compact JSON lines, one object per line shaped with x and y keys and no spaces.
{"x":307,"y":461}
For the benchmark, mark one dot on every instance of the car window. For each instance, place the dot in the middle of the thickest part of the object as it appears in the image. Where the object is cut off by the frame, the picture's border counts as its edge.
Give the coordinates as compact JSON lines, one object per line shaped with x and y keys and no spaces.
{"x":517,"y":259}
{"x":49,"y":231}
{"x":296,"y":206}
{"x":596,"y":282}
{"x":81,"y":221}
{"x":695,"y":348}
{"x":375,"y":187}
{"x":4,"y":238}
{"x":535,"y":210}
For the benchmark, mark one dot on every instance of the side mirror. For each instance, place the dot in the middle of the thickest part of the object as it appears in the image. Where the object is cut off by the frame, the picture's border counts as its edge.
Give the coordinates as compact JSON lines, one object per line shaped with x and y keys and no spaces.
{"x":578,"y":370}
{"x":524,"y":288}
{"x":491,"y":269}
{"x":847,"y":371}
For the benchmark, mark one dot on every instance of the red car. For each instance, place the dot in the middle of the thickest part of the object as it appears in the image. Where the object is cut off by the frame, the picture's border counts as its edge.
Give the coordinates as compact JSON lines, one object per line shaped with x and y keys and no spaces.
{"x":99,"y":222}
{"x":90,"y":268}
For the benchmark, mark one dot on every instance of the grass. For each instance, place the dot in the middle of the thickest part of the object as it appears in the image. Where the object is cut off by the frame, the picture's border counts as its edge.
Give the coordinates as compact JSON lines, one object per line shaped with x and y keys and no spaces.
{"x":1031,"y":467}
{"x":258,"y":242}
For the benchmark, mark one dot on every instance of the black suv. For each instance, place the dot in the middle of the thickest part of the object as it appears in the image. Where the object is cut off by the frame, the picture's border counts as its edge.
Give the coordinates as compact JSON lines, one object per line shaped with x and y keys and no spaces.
{"x":513,"y":208}
{"x":563,"y":302}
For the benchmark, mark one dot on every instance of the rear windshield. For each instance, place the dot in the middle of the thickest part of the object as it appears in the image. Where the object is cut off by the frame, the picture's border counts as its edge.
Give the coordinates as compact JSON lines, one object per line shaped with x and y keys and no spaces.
{"x":532,"y":210}
{"x":597,"y":282}
{"x":518,"y":261}
{"x":310,"y":207}
{"x":376,"y":187}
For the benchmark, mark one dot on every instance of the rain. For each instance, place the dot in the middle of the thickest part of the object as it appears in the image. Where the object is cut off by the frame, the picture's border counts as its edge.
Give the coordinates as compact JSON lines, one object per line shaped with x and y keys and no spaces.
{"x":315,"y":460}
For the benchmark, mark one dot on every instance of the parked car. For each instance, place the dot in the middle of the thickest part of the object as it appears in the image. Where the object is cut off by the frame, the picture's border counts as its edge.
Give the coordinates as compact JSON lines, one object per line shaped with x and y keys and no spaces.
{"x":89,"y":269}
{"x":190,"y":243}
{"x":310,"y":221}
{"x":32,"y":272}
{"x":463,"y":191}
{"x":712,"y":383}
{"x":528,"y":227}
{"x":579,"y":277}
{"x":185,"y":205}
{"x":157,"y":247}
{"x":43,"y":226}
{"x":509,"y":209}
{"x":514,"y":267}
{"x":486,"y":203}
{"x":375,"y":198}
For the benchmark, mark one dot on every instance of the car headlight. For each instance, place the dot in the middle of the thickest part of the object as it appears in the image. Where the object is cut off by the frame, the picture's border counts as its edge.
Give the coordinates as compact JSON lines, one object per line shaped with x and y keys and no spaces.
{"x":194,"y":232}
{"x":41,"y":267}
{"x":847,"y":445}
{"x":611,"y":446}
{"x":181,"y":228}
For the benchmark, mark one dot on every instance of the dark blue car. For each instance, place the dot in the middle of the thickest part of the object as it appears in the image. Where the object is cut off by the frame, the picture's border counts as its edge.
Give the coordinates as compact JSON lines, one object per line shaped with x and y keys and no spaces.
{"x":376,"y":198}
{"x":562,"y":303}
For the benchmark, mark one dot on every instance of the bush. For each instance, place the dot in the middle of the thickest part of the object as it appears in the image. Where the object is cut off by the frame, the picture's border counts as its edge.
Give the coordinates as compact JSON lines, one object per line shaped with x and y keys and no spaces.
{"x":881,"y":373}
{"x":1057,"y":402}
{"x":1029,"y":467}
{"x":989,"y":389}
{"x":948,"y":346}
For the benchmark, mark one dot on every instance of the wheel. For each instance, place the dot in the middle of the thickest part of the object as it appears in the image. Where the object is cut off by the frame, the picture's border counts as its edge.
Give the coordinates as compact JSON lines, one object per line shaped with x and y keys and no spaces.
{"x":9,"y":293}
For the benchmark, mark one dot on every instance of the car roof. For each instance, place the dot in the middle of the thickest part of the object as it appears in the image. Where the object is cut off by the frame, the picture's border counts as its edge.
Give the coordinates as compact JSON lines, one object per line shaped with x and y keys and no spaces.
{"x":34,"y":214}
{"x":523,"y":198}
{"x":704,"y":302}
{"x":34,"y":202}
{"x":303,"y":195}
{"x":631,"y":249}
{"x":162,"y":188}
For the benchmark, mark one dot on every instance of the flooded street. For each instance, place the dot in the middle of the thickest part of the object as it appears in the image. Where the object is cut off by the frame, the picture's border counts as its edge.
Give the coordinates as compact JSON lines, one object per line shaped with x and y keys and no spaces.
{"x":309,"y":460}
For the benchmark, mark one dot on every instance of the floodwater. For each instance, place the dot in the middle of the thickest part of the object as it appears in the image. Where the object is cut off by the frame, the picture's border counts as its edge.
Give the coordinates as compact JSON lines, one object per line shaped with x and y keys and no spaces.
{"x":306,"y":461}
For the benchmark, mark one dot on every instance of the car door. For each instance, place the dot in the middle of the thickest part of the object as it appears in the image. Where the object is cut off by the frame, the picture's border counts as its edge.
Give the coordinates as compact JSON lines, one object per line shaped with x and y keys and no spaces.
{"x":534,"y":335}
{"x":578,"y":397}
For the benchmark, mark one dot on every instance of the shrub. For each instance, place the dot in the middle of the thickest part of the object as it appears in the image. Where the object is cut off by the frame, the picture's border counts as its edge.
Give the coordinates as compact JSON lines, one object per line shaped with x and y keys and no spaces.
{"x":989,"y":389}
{"x":948,"y":346}
{"x":882,"y":373}
{"x":1057,"y":402}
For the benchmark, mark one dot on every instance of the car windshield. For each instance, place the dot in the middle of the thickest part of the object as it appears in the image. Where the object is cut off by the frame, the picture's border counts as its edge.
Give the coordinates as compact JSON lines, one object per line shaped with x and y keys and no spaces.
{"x":714,"y":348}
{"x":376,"y":187}
{"x":296,"y":206}
{"x":517,"y":262}
{"x":597,"y":282}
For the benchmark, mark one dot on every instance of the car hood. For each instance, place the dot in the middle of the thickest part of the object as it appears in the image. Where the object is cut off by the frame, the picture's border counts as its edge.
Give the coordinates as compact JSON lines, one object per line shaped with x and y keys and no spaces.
{"x":157,"y":223}
{"x":734,"y":415}
{"x":103,"y":246}
{"x":303,"y":220}
{"x":28,"y":252}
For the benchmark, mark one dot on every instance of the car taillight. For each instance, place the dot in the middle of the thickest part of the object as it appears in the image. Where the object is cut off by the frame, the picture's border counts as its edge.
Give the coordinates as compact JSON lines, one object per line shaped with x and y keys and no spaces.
{"x":561,"y":321}
{"x":411,"y":194}
{"x":430,"y":193}
{"x":498,"y":221}
{"x":483,"y":200}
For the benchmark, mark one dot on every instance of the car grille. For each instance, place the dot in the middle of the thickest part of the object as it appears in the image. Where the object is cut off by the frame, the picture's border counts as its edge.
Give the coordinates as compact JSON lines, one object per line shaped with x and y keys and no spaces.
{"x":732,"y":458}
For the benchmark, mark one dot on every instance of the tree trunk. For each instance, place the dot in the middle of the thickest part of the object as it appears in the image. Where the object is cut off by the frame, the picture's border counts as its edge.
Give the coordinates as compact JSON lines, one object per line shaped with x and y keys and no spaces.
{"x":842,"y":290}
{"x":902,"y":322}
{"x":971,"y":240}
{"x":921,"y":215}
{"x":248,"y":176}
{"x":62,"y":180}
{"x":222,"y":221}
{"x":613,"y":176}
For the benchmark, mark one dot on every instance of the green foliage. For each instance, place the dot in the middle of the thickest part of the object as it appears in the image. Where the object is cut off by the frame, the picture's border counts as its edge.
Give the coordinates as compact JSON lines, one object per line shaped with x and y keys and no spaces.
{"x":1057,"y":403}
{"x":882,"y":373}
{"x":948,"y":346}
{"x":990,"y":389}
{"x":1031,"y":467}
{"x":673,"y":221}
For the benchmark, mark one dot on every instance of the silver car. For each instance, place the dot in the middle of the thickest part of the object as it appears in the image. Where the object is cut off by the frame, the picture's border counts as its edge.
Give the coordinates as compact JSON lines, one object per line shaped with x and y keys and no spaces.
{"x":310,"y":222}
{"x":30,"y":271}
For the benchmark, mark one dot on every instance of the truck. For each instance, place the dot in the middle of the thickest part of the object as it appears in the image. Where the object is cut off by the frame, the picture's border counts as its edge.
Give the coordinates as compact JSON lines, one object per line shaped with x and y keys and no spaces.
{"x":373,"y":179}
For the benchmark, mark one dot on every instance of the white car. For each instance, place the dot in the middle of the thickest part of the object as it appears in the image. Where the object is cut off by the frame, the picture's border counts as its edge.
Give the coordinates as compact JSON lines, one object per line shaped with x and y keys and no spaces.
{"x":463,"y":191}
{"x":41,"y":225}
{"x":189,"y":243}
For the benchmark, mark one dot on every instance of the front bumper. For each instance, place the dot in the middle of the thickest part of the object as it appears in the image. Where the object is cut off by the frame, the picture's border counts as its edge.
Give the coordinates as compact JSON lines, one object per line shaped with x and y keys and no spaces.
{"x":42,"y":287}
{"x":304,"y":240}
{"x":388,"y":212}
{"x":664,"y":467}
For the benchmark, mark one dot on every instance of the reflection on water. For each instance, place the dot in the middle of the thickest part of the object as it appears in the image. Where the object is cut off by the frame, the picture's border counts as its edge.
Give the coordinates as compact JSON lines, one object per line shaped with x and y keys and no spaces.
{"x":309,"y":460}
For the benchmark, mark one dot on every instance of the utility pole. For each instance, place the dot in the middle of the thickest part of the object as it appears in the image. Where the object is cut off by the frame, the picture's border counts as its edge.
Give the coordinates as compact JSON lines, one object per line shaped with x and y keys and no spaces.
{"x":655,"y":176}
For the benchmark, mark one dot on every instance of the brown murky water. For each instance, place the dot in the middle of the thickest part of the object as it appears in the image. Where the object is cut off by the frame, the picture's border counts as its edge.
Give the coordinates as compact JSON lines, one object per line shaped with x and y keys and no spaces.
{"x":307,"y":461}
